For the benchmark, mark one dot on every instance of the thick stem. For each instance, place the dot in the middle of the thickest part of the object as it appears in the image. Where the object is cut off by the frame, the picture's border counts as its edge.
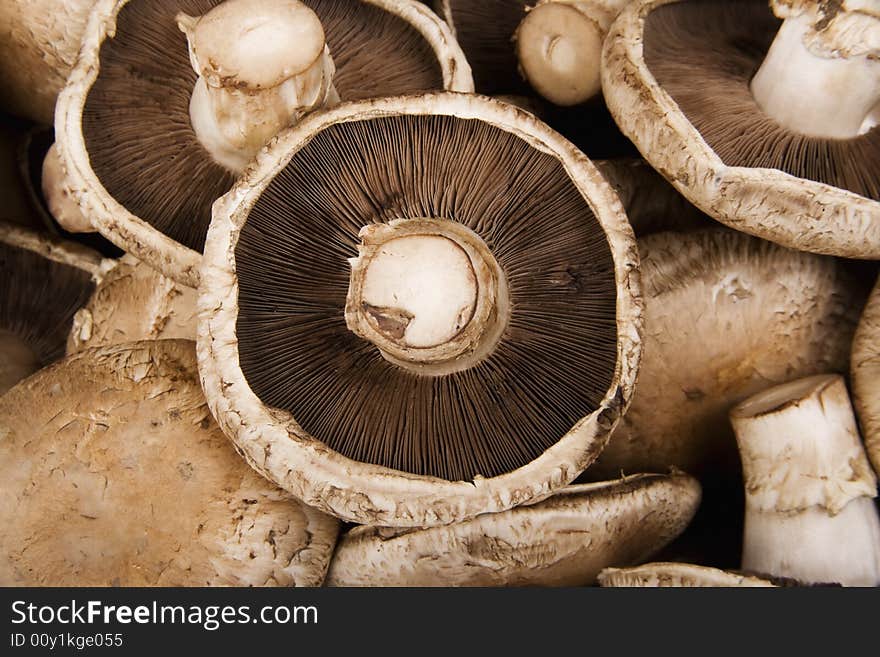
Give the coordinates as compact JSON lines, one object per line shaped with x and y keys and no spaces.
{"x":428,"y":293}
{"x":17,"y":360}
{"x":559,"y":46}
{"x":262,"y":65}
{"x":62,"y":205}
{"x":810,"y":514}
{"x":815,"y":82}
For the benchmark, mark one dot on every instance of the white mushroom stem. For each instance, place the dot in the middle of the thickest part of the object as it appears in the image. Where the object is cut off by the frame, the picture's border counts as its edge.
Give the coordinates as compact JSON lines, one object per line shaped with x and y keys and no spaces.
{"x":59,"y":198}
{"x":428,"y":293}
{"x":17,"y":360}
{"x":262,"y":65}
{"x":559,"y":46}
{"x":810,"y":514}
{"x":821,"y":76}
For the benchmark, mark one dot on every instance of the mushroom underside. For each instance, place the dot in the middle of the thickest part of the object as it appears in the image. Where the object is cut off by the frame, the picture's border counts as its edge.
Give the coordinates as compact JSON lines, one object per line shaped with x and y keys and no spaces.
{"x":136,"y":118}
{"x":551,"y":367}
{"x":704,"y":54}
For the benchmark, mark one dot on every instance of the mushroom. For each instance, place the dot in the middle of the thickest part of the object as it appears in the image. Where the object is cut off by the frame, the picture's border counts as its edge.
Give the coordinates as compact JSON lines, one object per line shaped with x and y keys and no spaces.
{"x":563,"y":541}
{"x":114,"y":473}
{"x":865,"y":375}
{"x":43,"y":282}
{"x":445,"y":325}
{"x":547,"y":49}
{"x":790,"y":155}
{"x":810,"y":514}
{"x":134,"y":302}
{"x":39,"y":42}
{"x":150,"y":130}
{"x":727,"y":315}
{"x":668,"y":574}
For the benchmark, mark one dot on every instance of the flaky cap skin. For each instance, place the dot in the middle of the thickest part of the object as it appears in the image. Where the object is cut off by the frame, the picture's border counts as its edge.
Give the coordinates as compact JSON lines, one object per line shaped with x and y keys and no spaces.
{"x":132,"y":233}
{"x":113,"y":473}
{"x":776,"y":206}
{"x":134,"y":302}
{"x":866,"y":376}
{"x":273,"y":442}
{"x":39,"y":42}
{"x":563,"y":541}
{"x":667,"y":574}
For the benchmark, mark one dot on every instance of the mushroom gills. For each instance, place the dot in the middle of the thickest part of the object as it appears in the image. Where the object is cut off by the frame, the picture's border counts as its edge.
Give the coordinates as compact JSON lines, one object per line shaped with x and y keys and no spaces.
{"x":704,"y":54}
{"x":136,"y":119}
{"x":549,"y":367}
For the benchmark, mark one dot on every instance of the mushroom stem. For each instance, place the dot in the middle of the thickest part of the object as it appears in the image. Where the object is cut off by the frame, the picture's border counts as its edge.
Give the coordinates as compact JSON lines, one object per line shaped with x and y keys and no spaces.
{"x":821,"y":76}
{"x":559,"y":46}
{"x":17,"y":360}
{"x":62,"y":205}
{"x":428,"y":293}
{"x":866,"y":375}
{"x":262,"y":65}
{"x":809,"y":488}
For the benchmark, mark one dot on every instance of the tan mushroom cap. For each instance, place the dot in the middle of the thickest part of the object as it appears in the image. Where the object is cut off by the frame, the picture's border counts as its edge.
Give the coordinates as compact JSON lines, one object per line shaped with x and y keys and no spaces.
{"x":726,"y":315}
{"x":769,"y":203}
{"x":39,"y":42}
{"x":278,"y":446}
{"x":114,"y":473}
{"x":134,"y":302}
{"x":563,"y":541}
{"x":866,"y":376}
{"x":121,"y":222}
{"x":668,"y":574}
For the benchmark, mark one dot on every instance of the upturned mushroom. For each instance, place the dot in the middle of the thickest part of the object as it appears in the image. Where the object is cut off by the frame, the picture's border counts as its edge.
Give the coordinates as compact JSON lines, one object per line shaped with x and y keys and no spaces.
{"x":670,"y":574}
{"x":39,"y":42}
{"x":114,"y":473}
{"x":134,"y":302}
{"x":155,"y":124}
{"x":43,"y":282}
{"x":563,"y":541}
{"x":789,"y":153}
{"x":865,"y":374}
{"x":446,"y":325}
{"x":810,"y":513}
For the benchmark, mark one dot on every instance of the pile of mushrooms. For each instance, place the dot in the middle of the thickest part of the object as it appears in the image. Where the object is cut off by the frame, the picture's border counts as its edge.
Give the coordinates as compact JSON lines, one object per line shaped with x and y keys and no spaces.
{"x":370,"y":328}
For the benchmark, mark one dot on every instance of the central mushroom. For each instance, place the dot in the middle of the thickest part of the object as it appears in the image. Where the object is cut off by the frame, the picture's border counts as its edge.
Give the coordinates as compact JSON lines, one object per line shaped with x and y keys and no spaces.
{"x":400,"y":333}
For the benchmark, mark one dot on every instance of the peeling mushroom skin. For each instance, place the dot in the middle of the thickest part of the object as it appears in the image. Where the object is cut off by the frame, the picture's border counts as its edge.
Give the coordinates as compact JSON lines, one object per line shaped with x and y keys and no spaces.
{"x":153,"y":128}
{"x":39,"y":42}
{"x":134,"y":302}
{"x":663,"y":574}
{"x":493,"y":403}
{"x":563,"y":541}
{"x":866,"y":376}
{"x":43,"y":282}
{"x":810,"y":513}
{"x":678,"y":78}
{"x":727,"y":315}
{"x":115,"y":474}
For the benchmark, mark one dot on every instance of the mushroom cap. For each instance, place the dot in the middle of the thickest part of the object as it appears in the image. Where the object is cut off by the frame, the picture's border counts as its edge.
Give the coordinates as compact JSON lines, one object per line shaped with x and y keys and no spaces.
{"x":134,"y":302}
{"x":677,"y":83}
{"x":39,"y":42}
{"x":667,"y":574}
{"x":245,"y":347}
{"x":563,"y":541}
{"x":114,"y":473}
{"x":43,"y":282}
{"x":866,"y":376}
{"x":726,"y":315}
{"x":123,"y":126}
